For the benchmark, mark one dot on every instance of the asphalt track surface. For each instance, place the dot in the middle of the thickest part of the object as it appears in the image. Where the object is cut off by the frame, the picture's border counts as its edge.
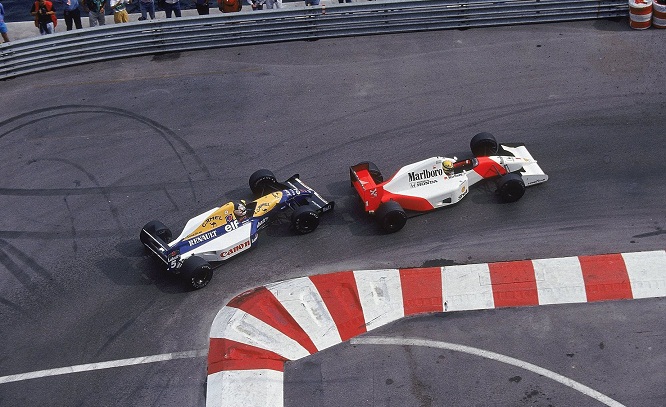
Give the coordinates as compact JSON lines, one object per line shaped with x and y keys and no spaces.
{"x":91,"y":153}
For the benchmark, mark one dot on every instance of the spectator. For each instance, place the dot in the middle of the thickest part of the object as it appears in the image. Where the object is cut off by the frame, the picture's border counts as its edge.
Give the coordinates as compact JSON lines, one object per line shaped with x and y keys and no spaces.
{"x":172,"y":5}
{"x":3,"y":26}
{"x":95,"y":9}
{"x":271,"y":3}
{"x":230,"y":6}
{"x":147,"y":8}
{"x":257,"y":4}
{"x":311,"y":2}
{"x":202,"y":7}
{"x":120,"y":14}
{"x":45,"y":16}
{"x":72,"y":14}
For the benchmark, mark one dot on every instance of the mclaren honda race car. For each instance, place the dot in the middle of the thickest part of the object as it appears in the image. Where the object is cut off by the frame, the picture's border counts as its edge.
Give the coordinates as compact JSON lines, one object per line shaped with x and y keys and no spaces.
{"x":441,"y":181}
{"x":223,"y":232}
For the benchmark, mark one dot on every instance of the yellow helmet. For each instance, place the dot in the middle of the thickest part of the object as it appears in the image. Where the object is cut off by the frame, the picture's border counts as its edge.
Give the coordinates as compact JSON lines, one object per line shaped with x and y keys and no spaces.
{"x":447,"y":165}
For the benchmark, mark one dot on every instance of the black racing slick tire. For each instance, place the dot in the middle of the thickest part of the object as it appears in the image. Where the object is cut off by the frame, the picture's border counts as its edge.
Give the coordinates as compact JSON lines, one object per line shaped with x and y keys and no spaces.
{"x":511,"y":187}
{"x":483,"y":145}
{"x":196,"y":272}
{"x":304,"y":220}
{"x":155,"y":228}
{"x":391,"y":216}
{"x":261,"y":181}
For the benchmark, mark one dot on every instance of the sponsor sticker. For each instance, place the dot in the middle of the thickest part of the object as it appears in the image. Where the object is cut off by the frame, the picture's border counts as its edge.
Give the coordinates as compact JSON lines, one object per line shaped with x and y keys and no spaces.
{"x":236,"y":249}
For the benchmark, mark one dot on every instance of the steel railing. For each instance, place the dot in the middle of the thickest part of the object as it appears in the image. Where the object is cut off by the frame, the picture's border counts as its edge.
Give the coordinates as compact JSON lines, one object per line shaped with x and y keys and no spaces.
{"x":227,"y":30}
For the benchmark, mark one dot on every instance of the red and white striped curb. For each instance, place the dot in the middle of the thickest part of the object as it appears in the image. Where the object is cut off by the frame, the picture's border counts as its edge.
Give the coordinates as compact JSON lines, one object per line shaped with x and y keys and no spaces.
{"x":260,"y":329}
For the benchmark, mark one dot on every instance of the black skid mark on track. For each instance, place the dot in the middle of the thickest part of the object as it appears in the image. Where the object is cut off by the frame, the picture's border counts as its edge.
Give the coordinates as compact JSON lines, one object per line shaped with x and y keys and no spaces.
{"x":101,"y":189}
{"x":171,"y":138}
{"x":75,"y":246}
{"x":18,"y":271}
{"x":131,"y":321}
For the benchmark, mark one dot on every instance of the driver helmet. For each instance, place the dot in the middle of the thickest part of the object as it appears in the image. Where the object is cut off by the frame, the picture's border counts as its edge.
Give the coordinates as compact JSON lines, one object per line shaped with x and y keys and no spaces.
{"x":240,"y":210}
{"x":447,"y":165}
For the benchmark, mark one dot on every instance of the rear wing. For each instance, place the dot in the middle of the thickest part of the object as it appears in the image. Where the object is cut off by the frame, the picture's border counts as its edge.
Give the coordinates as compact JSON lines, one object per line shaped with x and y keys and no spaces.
{"x":365,"y":186}
{"x":531,"y":173}
{"x":316,"y":200}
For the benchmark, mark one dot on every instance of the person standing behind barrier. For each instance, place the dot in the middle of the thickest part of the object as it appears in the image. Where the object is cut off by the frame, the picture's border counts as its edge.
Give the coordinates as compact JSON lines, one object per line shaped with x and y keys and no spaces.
{"x":71,"y":13}
{"x":147,"y":8}
{"x":95,"y":9}
{"x":311,"y":2}
{"x":172,"y":5}
{"x":202,"y":7}
{"x":3,"y":26}
{"x":271,"y":3}
{"x":45,"y":16}
{"x":257,"y":4}
{"x":230,"y":6}
{"x":120,"y":14}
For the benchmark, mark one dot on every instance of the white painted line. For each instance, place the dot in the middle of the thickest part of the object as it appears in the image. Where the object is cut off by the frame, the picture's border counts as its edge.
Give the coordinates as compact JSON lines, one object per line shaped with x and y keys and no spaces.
{"x":647,"y":273}
{"x":374,"y":340}
{"x":467,"y":287}
{"x":559,"y":281}
{"x":246,"y":388}
{"x":302,"y":300}
{"x":380,"y":294}
{"x":103,"y":365}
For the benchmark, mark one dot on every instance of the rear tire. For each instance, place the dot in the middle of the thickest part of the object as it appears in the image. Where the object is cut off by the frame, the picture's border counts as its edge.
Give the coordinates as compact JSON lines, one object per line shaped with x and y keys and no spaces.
{"x":261,"y":180}
{"x":155,"y":228}
{"x":483,"y":145}
{"x":304,"y":220}
{"x":196,"y":272}
{"x":511,"y":187}
{"x":391,"y":216}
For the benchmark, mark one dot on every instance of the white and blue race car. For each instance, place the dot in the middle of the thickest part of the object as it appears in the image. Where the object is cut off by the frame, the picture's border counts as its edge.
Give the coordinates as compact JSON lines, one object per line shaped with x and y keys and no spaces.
{"x":221,"y":233}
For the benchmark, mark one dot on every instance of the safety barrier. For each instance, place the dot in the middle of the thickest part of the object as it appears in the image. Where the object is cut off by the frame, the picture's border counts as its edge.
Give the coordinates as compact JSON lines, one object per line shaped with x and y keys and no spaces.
{"x":227,"y":30}
{"x":659,"y":14}
{"x":640,"y":14}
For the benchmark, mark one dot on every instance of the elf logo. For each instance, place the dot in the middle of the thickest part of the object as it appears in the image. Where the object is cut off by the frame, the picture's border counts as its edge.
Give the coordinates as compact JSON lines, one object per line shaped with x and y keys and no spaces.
{"x":233,"y":225}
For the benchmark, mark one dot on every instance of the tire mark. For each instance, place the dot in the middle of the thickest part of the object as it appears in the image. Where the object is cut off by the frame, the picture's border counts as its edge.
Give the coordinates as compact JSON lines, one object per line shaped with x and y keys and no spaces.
{"x":165,"y":133}
{"x":96,"y":190}
{"x":70,"y":215}
{"x":16,"y":270}
{"x":12,"y":306}
{"x":114,"y":210}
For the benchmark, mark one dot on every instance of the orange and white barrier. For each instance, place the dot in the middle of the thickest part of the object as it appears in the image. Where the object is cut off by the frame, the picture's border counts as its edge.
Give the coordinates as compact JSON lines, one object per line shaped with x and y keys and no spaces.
{"x":659,"y":14}
{"x":640,"y":14}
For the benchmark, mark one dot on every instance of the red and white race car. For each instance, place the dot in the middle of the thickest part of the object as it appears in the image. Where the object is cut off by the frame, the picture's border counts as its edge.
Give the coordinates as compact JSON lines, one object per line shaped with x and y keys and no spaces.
{"x":441,"y":181}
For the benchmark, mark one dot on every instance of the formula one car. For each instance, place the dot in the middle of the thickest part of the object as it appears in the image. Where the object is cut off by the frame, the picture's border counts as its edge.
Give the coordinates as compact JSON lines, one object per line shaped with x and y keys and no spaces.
{"x":440,"y":181}
{"x":223,"y":232}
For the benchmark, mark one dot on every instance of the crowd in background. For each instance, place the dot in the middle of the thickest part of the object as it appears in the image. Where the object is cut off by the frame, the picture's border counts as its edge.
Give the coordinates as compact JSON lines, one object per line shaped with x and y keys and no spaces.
{"x":44,"y":11}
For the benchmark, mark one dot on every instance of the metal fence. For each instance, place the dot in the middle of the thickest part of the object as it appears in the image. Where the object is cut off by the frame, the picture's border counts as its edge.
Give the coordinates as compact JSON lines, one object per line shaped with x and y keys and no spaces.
{"x":308,"y":23}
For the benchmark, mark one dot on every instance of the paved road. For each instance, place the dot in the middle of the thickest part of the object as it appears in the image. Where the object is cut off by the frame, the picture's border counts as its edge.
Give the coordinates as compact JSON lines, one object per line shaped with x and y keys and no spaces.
{"x":91,"y":153}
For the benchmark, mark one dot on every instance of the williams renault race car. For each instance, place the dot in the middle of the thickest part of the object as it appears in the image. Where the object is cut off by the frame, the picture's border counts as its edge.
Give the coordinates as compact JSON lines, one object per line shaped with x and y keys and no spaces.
{"x":441,"y":181}
{"x":223,"y":232}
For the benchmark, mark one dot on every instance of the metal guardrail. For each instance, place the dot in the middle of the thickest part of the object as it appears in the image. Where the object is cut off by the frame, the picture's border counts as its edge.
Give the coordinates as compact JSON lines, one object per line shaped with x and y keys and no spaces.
{"x":227,"y":30}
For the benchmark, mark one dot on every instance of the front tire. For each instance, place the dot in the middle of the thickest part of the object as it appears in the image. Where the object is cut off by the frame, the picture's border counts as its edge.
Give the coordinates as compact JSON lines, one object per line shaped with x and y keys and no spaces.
{"x":483,"y":145}
{"x":261,"y":180}
{"x":511,"y":187}
{"x":196,"y":272}
{"x":391,"y":216}
{"x":304,"y":220}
